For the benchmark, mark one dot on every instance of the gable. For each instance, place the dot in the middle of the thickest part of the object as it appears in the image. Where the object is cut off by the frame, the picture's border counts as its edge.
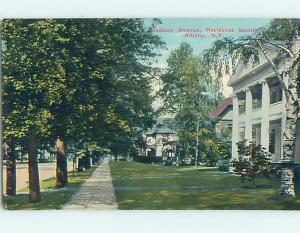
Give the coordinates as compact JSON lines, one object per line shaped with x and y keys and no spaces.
{"x":243,"y":70}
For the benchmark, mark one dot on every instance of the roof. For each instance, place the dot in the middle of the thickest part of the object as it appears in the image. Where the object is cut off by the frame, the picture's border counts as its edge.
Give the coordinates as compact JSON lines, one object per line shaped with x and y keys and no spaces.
{"x":162,"y":126}
{"x":243,"y":71}
{"x":222,"y":107}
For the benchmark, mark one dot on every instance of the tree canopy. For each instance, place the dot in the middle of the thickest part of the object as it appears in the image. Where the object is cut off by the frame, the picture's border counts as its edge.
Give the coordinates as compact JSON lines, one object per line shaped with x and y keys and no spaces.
{"x":81,"y":83}
{"x":189,"y":93}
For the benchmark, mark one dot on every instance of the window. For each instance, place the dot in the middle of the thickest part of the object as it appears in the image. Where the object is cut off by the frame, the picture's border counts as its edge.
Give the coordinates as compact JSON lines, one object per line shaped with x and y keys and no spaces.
{"x":241,"y":102}
{"x":256,"y":103}
{"x":272,"y":142}
{"x":256,"y":96}
{"x":256,"y":131}
{"x":242,"y":106}
{"x":275,"y":95}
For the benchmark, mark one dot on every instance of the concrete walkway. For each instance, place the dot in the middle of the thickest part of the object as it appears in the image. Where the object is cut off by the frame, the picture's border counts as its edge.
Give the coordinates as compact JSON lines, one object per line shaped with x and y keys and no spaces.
{"x":96,"y":193}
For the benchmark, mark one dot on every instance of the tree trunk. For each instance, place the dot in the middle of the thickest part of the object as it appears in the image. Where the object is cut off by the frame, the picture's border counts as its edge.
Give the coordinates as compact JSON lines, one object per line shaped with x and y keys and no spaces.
{"x":87,"y":161}
{"x":61,"y":163}
{"x":10,"y":167}
{"x":34,"y":182}
{"x":95,"y":158}
{"x":289,"y":136}
{"x":80,"y":165}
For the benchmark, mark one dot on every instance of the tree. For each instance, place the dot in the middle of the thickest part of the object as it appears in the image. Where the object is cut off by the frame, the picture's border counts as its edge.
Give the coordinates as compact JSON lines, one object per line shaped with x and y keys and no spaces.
{"x":34,"y":181}
{"x":213,"y":149}
{"x":186,"y":94}
{"x":114,"y":97}
{"x":25,"y":76}
{"x":77,"y":82}
{"x":283,"y":35}
{"x":10,"y":166}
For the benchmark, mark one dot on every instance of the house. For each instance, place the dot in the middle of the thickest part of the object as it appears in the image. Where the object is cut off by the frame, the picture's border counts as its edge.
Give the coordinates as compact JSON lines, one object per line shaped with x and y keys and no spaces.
{"x":161,"y":139}
{"x":223,"y":114}
{"x":259,"y":113}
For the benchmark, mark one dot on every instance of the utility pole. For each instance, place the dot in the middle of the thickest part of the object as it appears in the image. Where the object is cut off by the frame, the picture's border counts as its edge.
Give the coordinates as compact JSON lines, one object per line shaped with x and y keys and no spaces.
{"x":197,"y":142}
{"x":197,"y":128}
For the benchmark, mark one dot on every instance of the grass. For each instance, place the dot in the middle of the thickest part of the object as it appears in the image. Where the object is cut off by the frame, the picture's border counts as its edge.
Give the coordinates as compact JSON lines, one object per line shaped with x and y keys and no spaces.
{"x":52,"y":197}
{"x":146,"y":186}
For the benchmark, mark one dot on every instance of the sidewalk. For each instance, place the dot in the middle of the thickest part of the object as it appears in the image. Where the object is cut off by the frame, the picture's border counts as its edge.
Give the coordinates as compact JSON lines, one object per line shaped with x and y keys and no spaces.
{"x":97,"y":193}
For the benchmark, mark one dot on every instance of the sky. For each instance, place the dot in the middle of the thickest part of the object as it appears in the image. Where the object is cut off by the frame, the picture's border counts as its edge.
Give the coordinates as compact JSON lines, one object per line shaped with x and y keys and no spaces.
{"x":203,"y":32}
{"x":173,"y":39}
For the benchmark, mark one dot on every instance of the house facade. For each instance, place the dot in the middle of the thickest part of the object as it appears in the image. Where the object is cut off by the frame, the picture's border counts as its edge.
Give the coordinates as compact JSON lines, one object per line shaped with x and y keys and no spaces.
{"x":161,"y":139}
{"x":259,"y":114}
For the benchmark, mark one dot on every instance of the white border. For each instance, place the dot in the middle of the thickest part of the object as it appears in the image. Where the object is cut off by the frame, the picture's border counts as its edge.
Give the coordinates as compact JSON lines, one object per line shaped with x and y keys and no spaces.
{"x":149,"y":8}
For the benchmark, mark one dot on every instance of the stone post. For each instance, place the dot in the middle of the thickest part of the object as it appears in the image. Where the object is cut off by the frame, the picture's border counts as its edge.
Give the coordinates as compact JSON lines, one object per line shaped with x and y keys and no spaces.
{"x":287,"y":184}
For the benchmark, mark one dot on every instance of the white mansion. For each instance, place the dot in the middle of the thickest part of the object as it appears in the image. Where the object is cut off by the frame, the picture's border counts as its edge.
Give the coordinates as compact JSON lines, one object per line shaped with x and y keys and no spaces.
{"x":259,"y":108}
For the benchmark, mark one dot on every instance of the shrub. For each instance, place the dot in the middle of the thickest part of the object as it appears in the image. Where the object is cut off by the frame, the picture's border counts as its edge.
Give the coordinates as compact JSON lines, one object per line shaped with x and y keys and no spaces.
{"x":223,"y":165}
{"x":148,"y":159}
{"x":253,"y":161}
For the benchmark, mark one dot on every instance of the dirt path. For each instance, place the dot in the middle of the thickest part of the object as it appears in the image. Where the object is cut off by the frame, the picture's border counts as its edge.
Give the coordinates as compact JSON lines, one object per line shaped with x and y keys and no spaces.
{"x":97,"y":193}
{"x":46,"y":170}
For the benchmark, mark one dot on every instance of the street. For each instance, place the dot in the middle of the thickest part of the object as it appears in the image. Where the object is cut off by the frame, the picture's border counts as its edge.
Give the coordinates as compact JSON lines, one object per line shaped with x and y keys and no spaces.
{"x":46,"y":170}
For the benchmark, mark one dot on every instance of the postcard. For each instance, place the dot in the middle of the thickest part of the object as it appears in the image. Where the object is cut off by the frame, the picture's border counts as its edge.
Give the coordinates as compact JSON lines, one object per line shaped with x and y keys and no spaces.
{"x":150,"y":114}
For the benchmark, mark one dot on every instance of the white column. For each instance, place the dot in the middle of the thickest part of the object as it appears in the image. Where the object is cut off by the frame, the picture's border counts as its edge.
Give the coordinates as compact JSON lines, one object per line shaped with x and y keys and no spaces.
{"x":248,"y":125}
{"x":265,"y":122}
{"x":235,"y":126}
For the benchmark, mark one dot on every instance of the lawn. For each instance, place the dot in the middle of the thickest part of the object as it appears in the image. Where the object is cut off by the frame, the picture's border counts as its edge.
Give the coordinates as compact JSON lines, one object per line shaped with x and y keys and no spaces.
{"x":52,"y":197}
{"x":147,"y":186}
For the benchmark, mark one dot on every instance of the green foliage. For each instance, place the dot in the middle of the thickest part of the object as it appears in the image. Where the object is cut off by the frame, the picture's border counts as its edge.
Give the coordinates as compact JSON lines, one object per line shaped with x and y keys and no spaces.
{"x":185,"y":80}
{"x":225,"y":54}
{"x":188,"y":93}
{"x":279,"y":30}
{"x":86,"y":80}
{"x":213,"y":150}
{"x":253,"y":161}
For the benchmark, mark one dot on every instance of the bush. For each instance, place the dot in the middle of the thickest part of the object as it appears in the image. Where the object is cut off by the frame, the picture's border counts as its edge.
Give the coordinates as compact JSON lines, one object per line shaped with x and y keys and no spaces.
{"x":148,"y":159}
{"x":253,"y":161}
{"x":213,"y":150}
{"x":186,"y":161}
{"x":169,"y":161}
{"x":223,"y":165}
